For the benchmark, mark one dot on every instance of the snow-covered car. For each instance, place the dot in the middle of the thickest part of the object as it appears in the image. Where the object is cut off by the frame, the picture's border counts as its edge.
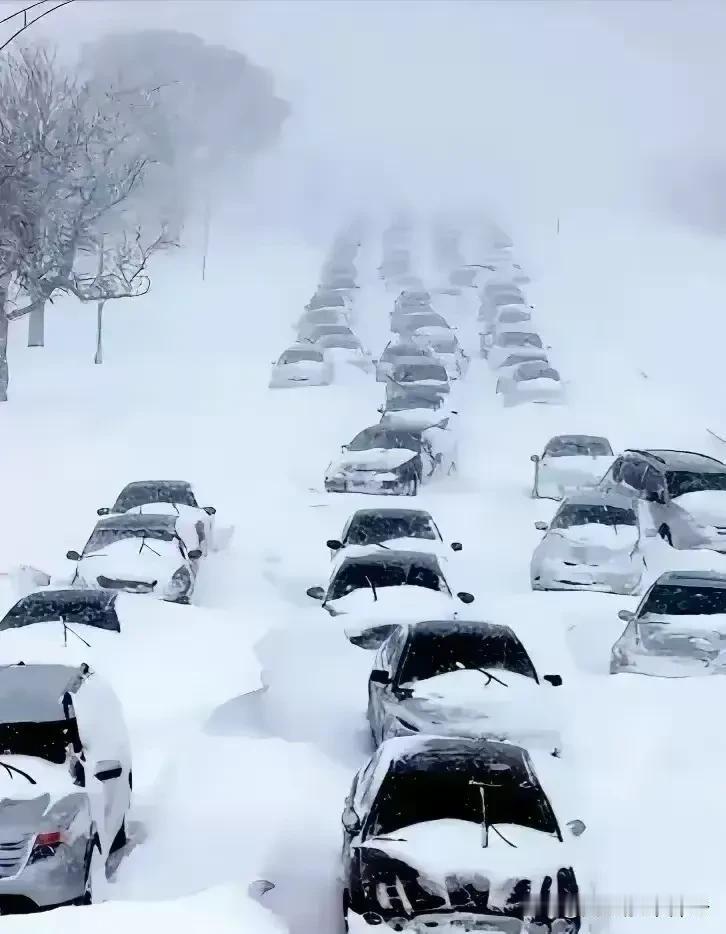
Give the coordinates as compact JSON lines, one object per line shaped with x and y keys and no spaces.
{"x":466,"y":276}
{"x":460,"y":678}
{"x":503,"y":345}
{"x":437,"y":430}
{"x":684,"y":494}
{"x":569,"y":464}
{"x":679,"y":628}
{"x":519,"y":355}
{"x":455,"y":833}
{"x":138,"y":554}
{"x":344,"y":283}
{"x":444,"y":345}
{"x":65,"y":784}
{"x":531,"y":382}
{"x":592,"y":543}
{"x":301,"y":365}
{"x":507,"y":318}
{"x":378,"y":588}
{"x":413,"y":298}
{"x":167,"y":497}
{"x":392,"y":352}
{"x":407,"y":321}
{"x":496,"y":295}
{"x":309,"y":322}
{"x":330,"y":299}
{"x":125,"y":637}
{"x":390,"y":528}
{"x":345,"y":349}
{"x":416,"y":378}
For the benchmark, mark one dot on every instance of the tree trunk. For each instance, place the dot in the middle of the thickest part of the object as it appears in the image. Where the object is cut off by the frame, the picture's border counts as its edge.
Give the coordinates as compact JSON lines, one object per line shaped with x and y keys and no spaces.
{"x":4,"y":372}
{"x":99,"y":334}
{"x":36,"y":327}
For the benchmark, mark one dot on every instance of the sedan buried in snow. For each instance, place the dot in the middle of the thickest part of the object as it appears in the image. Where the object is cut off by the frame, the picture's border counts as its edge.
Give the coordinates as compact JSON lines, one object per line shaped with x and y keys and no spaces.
{"x":378,"y":460}
{"x":536,"y":382}
{"x":416,"y":377}
{"x":393,"y":351}
{"x":301,"y":365}
{"x":569,"y":464}
{"x":459,"y":678}
{"x":504,"y":343}
{"x":457,"y":834}
{"x":592,"y":543}
{"x":138,"y":554}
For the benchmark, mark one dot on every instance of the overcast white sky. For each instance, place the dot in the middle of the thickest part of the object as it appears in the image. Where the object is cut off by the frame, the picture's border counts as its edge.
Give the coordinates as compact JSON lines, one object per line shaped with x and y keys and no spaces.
{"x":536,"y":102}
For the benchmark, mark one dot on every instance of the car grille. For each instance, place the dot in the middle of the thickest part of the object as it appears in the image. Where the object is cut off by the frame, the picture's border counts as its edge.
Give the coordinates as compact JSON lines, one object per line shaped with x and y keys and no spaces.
{"x":112,"y":583}
{"x":13,"y":854}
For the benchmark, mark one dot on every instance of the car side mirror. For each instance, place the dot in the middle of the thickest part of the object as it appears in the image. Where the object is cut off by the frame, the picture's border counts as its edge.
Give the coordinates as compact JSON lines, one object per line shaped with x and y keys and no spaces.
{"x":576,"y":827}
{"x":351,"y":821}
{"x":465,"y":597}
{"x":534,"y":458}
{"x":456,"y":546}
{"x":378,"y":676}
{"x":103,"y":511}
{"x":108,"y":769}
{"x":210,"y":510}
{"x":554,"y":680}
{"x":195,"y":554}
{"x":541,"y":526}
{"x":334,"y":544}
{"x":73,"y":556}
{"x":627,"y":616}
{"x":343,"y":448}
{"x":317,"y":593}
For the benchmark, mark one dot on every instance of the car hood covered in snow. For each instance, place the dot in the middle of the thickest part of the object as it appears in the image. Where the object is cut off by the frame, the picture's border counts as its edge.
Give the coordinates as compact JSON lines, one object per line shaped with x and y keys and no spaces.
{"x":706,"y":506}
{"x":595,"y":539}
{"x":369,"y":621}
{"x":373,"y":459}
{"x":124,"y":560}
{"x":53,"y":782}
{"x":558,"y":476}
{"x":415,"y":419}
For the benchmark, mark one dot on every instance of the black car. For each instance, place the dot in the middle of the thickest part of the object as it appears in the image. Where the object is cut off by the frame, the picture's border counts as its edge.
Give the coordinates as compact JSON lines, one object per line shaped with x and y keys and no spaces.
{"x":379,"y":460}
{"x":425,"y":829}
{"x":377,"y":526}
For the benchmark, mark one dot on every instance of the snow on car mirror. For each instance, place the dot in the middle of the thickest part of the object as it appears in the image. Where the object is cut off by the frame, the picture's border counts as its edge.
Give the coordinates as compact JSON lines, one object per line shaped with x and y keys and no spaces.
{"x":73,"y":556}
{"x":317,"y":593}
{"x":195,"y":554}
{"x":465,"y":597}
{"x":210,"y":510}
{"x":103,"y":511}
{"x":456,"y":546}
{"x":576,"y":827}
{"x":534,"y":458}
{"x":334,"y":544}
{"x":260,"y":887}
{"x":626,"y":615}
{"x":541,"y":526}
{"x":554,"y":680}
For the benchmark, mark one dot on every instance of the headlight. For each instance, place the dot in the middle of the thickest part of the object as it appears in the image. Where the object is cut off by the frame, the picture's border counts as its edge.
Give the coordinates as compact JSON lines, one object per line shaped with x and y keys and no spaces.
{"x":181,"y":580}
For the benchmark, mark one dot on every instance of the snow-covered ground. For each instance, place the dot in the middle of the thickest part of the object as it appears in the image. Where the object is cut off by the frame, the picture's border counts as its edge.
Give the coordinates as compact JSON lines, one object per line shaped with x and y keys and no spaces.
{"x":257,"y":791}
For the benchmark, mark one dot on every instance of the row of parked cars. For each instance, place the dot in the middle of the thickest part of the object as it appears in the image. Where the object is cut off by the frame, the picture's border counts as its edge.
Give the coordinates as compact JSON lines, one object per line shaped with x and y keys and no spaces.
{"x":65,"y":755}
{"x":448,"y":824}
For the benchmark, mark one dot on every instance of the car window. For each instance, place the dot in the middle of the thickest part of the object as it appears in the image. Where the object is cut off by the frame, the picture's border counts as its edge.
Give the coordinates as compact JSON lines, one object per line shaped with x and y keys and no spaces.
{"x":633,"y":473}
{"x":143,"y":494}
{"x":691,"y":481}
{"x":672,"y":600}
{"x":436,"y":653}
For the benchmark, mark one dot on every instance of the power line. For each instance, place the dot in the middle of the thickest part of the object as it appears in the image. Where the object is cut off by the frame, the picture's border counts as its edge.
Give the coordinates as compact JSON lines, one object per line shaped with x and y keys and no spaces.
{"x":29,"y":22}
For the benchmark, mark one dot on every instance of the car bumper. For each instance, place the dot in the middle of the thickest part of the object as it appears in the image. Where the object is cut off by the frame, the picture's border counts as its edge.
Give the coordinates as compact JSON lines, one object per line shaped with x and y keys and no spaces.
{"x":47,"y":883}
{"x":377,"y":486}
{"x":663,"y":666}
{"x":559,"y":576}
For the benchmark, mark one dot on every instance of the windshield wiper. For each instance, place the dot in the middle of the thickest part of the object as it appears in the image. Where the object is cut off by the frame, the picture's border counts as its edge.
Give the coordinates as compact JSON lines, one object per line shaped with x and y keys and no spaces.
{"x":13,"y":768}
{"x":144,"y":545}
{"x":373,"y":588}
{"x":489,"y":676}
{"x":67,"y":629}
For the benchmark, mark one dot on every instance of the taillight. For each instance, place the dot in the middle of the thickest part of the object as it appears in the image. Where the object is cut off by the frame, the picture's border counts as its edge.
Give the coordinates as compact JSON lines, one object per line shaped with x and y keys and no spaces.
{"x":52,"y":838}
{"x":46,"y":844}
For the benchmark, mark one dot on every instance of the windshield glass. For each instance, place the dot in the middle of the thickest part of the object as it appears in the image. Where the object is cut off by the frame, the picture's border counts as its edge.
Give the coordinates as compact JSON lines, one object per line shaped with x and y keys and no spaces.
{"x":42,"y":740}
{"x":518,"y":339}
{"x":101,"y":538}
{"x":403,"y":350}
{"x":578,"y":447}
{"x":443,"y":345}
{"x":339,"y":341}
{"x":39,"y":608}
{"x":372,"y":528}
{"x":439,"y":787}
{"x":516,"y":359}
{"x":511,"y":316}
{"x":535,"y":370}
{"x":144,"y":494}
{"x":437,"y":653}
{"x":380,"y":437}
{"x":668,"y":599}
{"x":296,"y":356}
{"x":583,"y":514}
{"x":415,"y":321}
{"x":355,"y":575}
{"x":686,"y":481}
{"x":415,"y":372}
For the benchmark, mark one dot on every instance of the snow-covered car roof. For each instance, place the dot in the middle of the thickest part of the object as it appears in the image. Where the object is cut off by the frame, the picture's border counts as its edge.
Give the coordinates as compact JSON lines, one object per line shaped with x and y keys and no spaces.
{"x":416,"y":420}
{"x":166,"y":485}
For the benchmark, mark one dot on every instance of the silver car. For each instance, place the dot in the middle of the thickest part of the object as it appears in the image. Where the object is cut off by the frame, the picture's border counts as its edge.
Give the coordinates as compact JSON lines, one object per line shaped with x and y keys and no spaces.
{"x":65,"y":772}
{"x":592,"y":543}
{"x":678,"y":629}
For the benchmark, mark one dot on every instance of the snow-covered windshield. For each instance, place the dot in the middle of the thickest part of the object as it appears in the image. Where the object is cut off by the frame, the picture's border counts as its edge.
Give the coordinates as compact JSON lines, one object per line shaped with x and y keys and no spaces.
{"x":437,"y":653}
{"x":443,"y":345}
{"x":512,"y":316}
{"x":415,"y":372}
{"x":380,"y":437}
{"x":339,"y":341}
{"x":297,"y":356}
{"x":371,"y":528}
{"x":354,"y":575}
{"x":43,"y":740}
{"x":535,"y":370}
{"x":672,"y":600}
{"x":687,"y":481}
{"x":578,"y":447}
{"x":519,"y":339}
{"x":403,"y":350}
{"x":425,"y":321}
{"x":91,"y":610}
{"x":516,"y":359}
{"x":143,"y":494}
{"x":101,"y":538}
{"x":583,"y":514}
{"x":431,"y":787}
{"x":413,"y":400}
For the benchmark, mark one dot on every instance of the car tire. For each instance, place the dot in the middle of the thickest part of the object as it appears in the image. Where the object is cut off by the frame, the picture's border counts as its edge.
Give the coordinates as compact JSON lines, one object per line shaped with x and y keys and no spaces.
{"x":93,"y":848}
{"x":666,"y":535}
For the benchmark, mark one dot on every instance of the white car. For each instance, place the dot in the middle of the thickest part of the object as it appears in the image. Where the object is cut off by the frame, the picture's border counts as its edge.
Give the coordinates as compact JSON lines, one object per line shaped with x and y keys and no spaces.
{"x":165,"y":661}
{"x":531,"y":382}
{"x":495,"y":295}
{"x":593,"y":542}
{"x":519,"y":355}
{"x":413,"y":298}
{"x":302,"y":365}
{"x":416,"y":377}
{"x":406,"y":321}
{"x":444,"y":345}
{"x":167,"y":497}
{"x":460,"y":678}
{"x":377,"y":589}
{"x":390,"y":528}
{"x":392,"y":352}
{"x":503,"y":344}
{"x":569,"y":464}
{"x":507,"y":318}
{"x":145,"y":553}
